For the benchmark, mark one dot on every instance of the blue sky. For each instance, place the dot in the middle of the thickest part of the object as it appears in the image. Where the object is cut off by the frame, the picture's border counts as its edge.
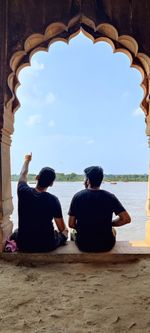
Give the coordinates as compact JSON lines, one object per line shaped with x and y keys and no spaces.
{"x":80,"y":107}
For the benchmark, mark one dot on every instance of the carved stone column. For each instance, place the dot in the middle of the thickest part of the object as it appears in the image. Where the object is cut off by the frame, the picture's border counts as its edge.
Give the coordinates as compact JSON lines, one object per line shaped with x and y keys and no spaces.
{"x":6,"y":206}
{"x":147,"y":238}
{"x":6,"y":129}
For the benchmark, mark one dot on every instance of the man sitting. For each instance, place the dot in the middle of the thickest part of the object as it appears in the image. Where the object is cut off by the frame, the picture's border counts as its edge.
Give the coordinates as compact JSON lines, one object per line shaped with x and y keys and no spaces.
{"x":91,"y":211}
{"x":36,"y":210}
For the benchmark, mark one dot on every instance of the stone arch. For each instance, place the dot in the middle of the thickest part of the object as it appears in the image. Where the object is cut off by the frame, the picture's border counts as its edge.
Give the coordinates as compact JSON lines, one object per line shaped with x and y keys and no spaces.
{"x":59,"y":31}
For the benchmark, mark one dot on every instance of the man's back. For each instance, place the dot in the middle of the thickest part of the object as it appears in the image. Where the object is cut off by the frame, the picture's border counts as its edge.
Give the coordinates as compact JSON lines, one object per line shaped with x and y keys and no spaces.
{"x":93,"y":210}
{"x":36,"y":211}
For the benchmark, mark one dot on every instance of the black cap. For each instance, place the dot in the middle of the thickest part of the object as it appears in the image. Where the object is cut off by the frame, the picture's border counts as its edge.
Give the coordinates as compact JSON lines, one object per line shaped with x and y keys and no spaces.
{"x":94,"y":171}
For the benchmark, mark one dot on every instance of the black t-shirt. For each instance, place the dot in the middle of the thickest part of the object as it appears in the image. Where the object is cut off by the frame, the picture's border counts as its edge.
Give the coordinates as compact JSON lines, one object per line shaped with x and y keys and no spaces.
{"x":36,"y":211}
{"x":93,"y":210}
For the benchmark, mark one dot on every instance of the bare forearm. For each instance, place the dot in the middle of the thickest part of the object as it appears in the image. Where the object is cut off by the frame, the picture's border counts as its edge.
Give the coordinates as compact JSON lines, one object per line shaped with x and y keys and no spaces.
{"x":24,"y":171}
{"x":118,"y":222}
{"x":60,"y":224}
{"x":74,"y":227}
{"x":25,"y":167}
{"x":122,"y":219}
{"x":72,"y":222}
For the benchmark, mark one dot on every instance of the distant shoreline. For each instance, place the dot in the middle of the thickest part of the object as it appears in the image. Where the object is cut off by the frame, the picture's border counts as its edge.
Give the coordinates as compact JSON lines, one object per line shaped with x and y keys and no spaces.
{"x":73,"y":177}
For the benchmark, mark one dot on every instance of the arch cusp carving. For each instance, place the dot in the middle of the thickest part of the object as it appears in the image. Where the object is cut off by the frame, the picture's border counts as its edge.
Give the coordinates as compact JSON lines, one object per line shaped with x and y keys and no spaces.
{"x":55,"y":31}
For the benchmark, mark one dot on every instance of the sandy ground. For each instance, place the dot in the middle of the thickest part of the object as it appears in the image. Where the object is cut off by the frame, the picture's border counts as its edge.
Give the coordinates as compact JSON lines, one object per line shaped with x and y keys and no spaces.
{"x":75,"y":298}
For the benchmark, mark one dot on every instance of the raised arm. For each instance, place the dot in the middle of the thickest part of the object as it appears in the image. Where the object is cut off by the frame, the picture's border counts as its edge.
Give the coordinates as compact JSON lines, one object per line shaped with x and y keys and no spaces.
{"x":24,"y":170}
{"x":122,"y":219}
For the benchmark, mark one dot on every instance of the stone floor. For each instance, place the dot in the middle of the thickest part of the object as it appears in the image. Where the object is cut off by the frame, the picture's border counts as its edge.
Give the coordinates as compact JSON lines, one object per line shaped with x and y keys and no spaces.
{"x":123,"y":251}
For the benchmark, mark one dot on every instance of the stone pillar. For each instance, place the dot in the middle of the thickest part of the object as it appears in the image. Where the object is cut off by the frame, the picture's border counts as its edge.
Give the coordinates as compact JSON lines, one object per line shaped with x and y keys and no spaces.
{"x":147,"y":236}
{"x":6,"y":206}
{"x":6,"y":129}
{"x":148,"y":205}
{"x":148,"y":209}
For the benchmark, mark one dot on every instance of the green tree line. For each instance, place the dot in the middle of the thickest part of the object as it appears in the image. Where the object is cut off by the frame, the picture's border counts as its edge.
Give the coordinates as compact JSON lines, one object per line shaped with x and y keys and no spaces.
{"x":73,"y":177}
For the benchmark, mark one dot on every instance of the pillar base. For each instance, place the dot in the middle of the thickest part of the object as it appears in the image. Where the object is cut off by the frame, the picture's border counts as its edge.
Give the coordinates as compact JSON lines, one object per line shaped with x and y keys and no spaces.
{"x":6,"y":227}
{"x":147,"y":229}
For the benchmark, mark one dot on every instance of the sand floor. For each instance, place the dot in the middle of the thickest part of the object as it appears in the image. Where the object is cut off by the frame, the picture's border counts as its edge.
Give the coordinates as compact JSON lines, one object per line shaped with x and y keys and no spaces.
{"x":75,"y":298}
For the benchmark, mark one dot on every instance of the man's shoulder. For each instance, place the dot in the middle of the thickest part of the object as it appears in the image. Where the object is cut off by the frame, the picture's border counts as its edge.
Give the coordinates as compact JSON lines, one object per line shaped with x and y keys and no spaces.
{"x":80,"y":194}
{"x":22,"y":185}
{"x":51,"y":196}
{"x":101,"y":193}
{"x":106,"y":193}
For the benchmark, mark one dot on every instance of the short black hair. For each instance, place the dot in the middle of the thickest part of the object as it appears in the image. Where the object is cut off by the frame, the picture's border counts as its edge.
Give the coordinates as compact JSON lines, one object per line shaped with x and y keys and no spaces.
{"x":46,"y":177}
{"x":95,"y":175}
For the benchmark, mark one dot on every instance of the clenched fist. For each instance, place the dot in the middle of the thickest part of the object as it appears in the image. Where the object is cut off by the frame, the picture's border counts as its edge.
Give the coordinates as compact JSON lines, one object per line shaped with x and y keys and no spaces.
{"x":28,"y":157}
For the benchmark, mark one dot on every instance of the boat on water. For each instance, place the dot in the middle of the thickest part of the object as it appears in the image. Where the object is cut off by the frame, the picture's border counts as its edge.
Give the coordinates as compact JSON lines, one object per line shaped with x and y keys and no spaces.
{"x":113,"y":183}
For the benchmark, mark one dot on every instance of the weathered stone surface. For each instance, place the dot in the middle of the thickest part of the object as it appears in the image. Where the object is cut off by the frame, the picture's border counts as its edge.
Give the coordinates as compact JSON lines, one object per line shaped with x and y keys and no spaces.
{"x":25,"y":17}
{"x":123,"y":251}
{"x":27,"y":24}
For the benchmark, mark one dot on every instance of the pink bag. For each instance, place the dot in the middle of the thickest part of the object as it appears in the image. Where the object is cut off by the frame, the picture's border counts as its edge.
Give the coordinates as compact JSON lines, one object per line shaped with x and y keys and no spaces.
{"x":10,"y":246}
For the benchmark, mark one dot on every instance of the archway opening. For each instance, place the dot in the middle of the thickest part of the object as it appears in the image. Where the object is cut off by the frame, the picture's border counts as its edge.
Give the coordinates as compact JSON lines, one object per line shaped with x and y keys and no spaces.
{"x":97,"y":121}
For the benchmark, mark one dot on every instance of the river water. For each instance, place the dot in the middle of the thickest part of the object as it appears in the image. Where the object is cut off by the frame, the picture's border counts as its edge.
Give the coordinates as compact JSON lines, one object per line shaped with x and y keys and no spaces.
{"x":131,"y":194}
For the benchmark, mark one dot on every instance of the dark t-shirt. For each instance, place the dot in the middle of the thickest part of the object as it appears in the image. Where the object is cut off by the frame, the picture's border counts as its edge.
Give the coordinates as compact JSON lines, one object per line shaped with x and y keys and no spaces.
{"x":93,"y":210}
{"x":36,"y":211}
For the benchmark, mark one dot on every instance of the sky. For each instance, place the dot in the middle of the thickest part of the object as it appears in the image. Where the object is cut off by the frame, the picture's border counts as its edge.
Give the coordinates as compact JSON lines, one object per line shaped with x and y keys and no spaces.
{"x":80,"y":106}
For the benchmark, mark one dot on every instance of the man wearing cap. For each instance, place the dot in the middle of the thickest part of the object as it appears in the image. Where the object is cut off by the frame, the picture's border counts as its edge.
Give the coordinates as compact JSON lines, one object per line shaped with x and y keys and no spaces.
{"x":36,"y":210}
{"x":91,"y":212}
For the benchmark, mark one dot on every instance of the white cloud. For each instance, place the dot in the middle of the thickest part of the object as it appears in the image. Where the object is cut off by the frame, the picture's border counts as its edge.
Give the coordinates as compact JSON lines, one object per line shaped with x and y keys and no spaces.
{"x":33,"y":120}
{"x":90,"y":142}
{"x":50,"y":98}
{"x":138,"y":112}
{"x":51,"y":123}
{"x":37,"y":66}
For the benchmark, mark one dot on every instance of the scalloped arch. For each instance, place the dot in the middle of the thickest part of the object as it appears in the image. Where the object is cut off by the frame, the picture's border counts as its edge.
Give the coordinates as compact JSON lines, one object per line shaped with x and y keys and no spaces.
{"x":60,"y":32}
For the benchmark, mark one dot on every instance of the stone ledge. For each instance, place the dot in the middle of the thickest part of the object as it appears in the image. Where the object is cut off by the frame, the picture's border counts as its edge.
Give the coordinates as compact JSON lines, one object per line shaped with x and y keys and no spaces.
{"x":122,"y":251}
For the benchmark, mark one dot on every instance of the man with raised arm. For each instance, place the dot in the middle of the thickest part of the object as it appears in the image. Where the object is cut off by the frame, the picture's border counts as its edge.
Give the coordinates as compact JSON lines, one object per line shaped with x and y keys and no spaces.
{"x":36,"y":210}
{"x":91,"y":212}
